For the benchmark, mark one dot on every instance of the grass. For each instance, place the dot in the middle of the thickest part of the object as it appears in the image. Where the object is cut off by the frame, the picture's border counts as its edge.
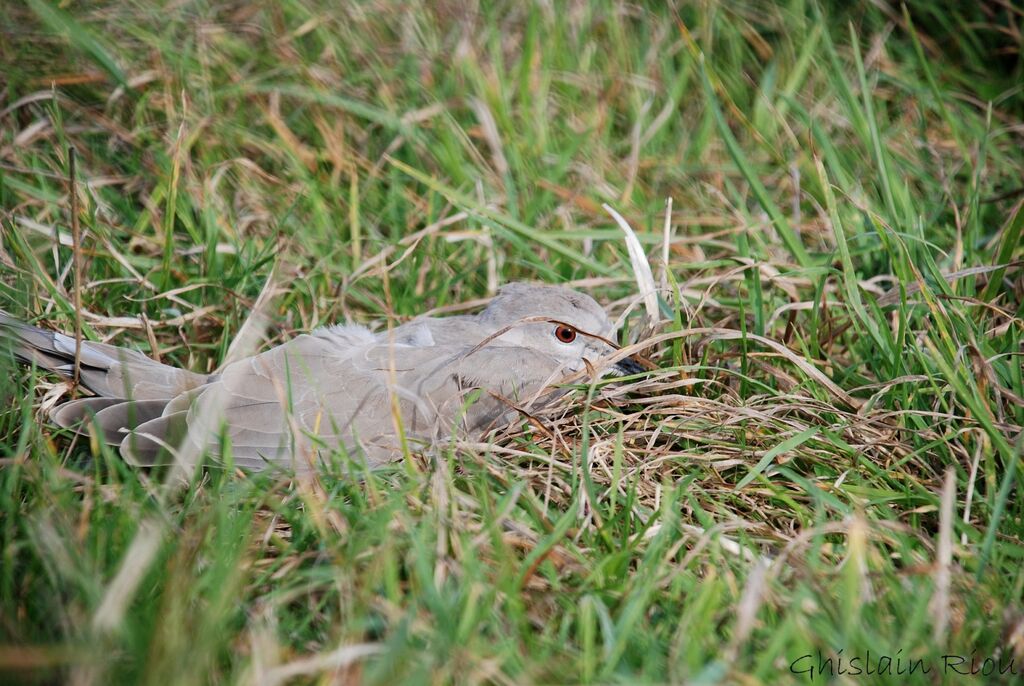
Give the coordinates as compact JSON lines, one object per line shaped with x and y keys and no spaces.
{"x":826,"y":463}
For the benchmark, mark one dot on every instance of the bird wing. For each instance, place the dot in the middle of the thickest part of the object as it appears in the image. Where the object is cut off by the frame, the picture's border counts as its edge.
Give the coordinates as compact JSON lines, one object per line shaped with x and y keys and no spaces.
{"x":279,"y":404}
{"x":311,"y":396}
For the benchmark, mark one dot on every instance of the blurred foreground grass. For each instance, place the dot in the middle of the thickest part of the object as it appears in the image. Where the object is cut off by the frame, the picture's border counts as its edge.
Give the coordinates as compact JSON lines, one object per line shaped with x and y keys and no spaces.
{"x":712,"y":523}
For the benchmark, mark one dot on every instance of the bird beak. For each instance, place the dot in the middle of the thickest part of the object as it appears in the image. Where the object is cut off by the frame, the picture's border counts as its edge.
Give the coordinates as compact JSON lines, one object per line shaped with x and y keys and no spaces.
{"x":627,"y":366}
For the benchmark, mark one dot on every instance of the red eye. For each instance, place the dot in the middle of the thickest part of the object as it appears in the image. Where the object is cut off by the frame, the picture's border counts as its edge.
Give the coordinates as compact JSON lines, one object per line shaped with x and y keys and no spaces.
{"x":566,"y":334}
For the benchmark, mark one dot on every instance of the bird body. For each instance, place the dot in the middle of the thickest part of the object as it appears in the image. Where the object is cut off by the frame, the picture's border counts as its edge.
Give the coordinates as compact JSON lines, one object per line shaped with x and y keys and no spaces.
{"x":337,"y":388}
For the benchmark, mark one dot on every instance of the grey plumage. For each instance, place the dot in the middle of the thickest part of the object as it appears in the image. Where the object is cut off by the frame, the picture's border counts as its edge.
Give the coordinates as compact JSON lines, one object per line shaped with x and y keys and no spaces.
{"x":336,"y":388}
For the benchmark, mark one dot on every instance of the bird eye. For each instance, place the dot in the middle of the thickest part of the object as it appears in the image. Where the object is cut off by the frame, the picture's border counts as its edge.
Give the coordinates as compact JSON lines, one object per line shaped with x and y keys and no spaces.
{"x":566,"y":334}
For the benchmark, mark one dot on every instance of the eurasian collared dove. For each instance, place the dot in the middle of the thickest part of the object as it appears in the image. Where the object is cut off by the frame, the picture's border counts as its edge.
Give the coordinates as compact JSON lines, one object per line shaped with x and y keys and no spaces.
{"x":336,"y":388}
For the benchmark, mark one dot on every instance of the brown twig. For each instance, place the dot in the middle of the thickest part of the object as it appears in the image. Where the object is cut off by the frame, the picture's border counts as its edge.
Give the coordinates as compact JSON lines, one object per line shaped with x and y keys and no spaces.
{"x":76,"y":247}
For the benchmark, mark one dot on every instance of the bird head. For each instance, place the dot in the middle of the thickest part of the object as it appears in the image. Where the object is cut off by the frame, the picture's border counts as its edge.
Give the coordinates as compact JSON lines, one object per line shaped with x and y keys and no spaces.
{"x":564,"y":324}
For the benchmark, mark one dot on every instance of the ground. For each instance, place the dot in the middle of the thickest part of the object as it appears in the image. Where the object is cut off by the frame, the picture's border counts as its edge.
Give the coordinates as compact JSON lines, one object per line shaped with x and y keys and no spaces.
{"x":821,"y":475}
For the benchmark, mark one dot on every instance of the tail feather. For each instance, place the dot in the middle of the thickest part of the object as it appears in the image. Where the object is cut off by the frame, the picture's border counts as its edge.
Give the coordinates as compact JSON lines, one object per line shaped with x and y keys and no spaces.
{"x":119,"y":420}
{"x":113,"y":417}
{"x":104,"y":369}
{"x":150,"y":443}
{"x":71,"y":414}
{"x":133,"y":407}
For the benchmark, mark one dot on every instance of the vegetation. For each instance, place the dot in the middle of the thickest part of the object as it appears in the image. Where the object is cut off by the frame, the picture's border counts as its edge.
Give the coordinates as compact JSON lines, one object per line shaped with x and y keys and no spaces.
{"x":826,"y":461}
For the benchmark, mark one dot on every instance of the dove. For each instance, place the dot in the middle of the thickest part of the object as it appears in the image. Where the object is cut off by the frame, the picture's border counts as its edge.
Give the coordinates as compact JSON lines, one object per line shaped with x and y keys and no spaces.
{"x":337,"y":389}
